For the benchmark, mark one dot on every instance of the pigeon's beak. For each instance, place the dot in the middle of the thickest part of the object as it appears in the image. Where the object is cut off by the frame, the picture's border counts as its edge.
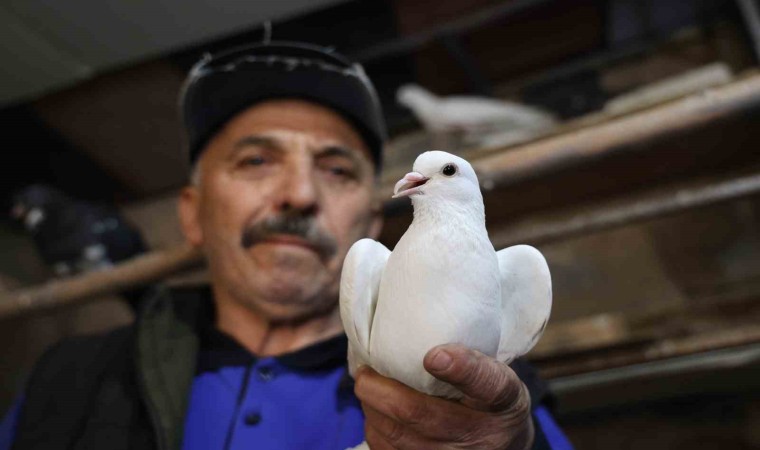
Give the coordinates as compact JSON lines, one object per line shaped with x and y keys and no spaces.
{"x":409,"y":185}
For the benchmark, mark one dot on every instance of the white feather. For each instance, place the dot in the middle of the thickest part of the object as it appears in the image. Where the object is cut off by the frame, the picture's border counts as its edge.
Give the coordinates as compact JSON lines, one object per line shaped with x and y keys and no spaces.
{"x":443,"y":283}
{"x":359,"y":286}
{"x":526,"y":290}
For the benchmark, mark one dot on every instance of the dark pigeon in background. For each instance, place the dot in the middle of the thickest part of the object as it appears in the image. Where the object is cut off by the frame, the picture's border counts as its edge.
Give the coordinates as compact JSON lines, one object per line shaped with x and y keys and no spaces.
{"x":74,"y":236}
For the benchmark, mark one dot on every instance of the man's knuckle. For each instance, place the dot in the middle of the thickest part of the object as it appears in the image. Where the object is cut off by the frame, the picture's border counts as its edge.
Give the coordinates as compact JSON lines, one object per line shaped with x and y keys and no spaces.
{"x":470,"y":375}
{"x":395,"y":433}
{"x":503,"y":398}
{"x":491,"y":436}
{"x":469,"y":436}
{"x":521,"y":406}
{"x":512,"y":395}
{"x":411,"y":413}
{"x":472,"y":372}
{"x":486,"y":441}
{"x":374,"y":438}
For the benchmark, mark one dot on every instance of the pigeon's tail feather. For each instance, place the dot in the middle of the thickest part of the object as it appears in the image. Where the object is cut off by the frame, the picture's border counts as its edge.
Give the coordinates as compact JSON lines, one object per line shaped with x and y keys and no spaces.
{"x":415,"y":97}
{"x":424,"y":104}
{"x":359,"y":288}
{"x":526,"y":299}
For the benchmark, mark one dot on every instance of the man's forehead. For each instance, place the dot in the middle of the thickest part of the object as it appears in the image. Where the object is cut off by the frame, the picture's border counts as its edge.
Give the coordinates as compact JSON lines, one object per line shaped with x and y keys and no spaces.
{"x":281,"y":120}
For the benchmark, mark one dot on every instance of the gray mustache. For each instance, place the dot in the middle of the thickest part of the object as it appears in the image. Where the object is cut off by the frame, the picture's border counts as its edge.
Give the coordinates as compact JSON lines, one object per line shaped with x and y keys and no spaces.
{"x":300,"y":225}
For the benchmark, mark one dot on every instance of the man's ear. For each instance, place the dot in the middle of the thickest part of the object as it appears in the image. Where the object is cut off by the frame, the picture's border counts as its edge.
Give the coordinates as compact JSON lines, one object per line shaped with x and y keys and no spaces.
{"x":188,"y":209}
{"x":376,"y":225}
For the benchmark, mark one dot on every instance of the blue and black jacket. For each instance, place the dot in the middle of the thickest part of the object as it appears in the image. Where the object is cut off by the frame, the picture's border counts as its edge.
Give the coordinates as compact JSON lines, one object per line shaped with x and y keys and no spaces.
{"x":172,"y":381}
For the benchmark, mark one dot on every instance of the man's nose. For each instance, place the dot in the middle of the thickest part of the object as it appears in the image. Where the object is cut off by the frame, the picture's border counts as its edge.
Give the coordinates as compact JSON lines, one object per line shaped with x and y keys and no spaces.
{"x":299,"y":190}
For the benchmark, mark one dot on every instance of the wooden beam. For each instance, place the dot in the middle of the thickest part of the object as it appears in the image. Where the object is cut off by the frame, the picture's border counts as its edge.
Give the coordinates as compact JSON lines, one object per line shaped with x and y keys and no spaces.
{"x":138,"y":271}
{"x":563,"y":152}
{"x":652,"y":334}
{"x":656,"y":350}
{"x":624,"y":211}
{"x":506,"y":167}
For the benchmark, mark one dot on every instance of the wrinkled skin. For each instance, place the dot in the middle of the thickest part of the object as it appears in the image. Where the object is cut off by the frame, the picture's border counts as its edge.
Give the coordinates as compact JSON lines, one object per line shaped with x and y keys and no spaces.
{"x":275,"y":158}
{"x":494,"y":414}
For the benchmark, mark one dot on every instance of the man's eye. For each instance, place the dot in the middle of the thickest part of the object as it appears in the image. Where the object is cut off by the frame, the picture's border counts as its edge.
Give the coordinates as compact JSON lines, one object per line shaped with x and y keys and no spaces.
{"x":254,"y":161}
{"x":341,"y":172}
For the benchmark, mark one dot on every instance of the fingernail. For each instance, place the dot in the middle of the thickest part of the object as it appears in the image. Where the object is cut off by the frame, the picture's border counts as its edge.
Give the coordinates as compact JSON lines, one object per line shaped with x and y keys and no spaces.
{"x":441,"y":361}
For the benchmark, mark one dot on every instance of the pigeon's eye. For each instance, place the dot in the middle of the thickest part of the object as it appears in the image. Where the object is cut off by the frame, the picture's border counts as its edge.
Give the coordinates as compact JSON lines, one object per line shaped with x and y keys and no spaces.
{"x":449,"y":170}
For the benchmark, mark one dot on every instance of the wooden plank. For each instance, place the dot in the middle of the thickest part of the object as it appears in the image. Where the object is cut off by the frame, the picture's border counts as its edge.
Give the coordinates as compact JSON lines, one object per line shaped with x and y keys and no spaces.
{"x":138,"y":271}
{"x":653,"y":334}
{"x":501,"y":168}
{"x":625,"y":211}
{"x":656,"y":350}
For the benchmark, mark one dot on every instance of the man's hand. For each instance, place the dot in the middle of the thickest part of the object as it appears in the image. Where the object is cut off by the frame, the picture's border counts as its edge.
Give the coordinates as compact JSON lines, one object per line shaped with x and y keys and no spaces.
{"x":494,"y":413}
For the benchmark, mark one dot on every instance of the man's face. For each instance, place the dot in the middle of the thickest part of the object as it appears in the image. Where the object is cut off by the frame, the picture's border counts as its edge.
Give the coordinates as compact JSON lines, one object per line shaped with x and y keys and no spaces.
{"x":283,"y":191}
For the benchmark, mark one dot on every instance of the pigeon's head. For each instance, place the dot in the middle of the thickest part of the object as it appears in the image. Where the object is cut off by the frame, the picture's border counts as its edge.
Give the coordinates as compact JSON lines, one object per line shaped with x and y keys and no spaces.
{"x":440,"y":176}
{"x":33,"y":204}
{"x":415,"y":97}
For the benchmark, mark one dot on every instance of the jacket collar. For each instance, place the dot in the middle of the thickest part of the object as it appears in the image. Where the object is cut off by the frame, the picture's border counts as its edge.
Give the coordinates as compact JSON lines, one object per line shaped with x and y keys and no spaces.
{"x":176,"y":338}
{"x":218,"y":349}
{"x":167,"y":348}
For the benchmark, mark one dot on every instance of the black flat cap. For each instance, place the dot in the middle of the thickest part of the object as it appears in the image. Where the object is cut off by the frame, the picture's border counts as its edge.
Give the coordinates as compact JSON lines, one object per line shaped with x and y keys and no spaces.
{"x":221,"y":86}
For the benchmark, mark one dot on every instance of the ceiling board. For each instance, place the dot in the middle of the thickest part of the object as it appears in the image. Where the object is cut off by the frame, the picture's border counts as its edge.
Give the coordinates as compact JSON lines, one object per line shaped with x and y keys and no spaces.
{"x":57,"y":43}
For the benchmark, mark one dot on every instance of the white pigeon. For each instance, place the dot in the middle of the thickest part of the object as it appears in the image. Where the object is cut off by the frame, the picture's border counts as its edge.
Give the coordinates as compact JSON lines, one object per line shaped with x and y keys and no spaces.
{"x":477,"y":115}
{"x":443,"y":283}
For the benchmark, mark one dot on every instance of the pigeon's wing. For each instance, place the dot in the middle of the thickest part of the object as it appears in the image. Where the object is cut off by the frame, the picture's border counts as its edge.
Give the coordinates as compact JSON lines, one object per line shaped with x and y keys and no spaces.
{"x":526,"y":295}
{"x":359,"y":287}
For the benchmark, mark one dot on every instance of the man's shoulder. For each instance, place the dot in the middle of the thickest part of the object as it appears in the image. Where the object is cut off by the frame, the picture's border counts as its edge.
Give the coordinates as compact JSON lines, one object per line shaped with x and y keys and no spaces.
{"x":84,"y":350}
{"x":120,"y":343}
{"x":77,"y":357}
{"x":89,"y":345}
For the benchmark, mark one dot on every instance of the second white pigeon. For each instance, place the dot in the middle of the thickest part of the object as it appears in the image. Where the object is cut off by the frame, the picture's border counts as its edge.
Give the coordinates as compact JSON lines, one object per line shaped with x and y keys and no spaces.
{"x":443,"y":283}
{"x":478,"y":114}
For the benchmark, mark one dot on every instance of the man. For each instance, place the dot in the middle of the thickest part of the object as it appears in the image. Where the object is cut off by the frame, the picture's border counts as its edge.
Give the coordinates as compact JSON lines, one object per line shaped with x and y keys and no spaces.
{"x":286,"y":143}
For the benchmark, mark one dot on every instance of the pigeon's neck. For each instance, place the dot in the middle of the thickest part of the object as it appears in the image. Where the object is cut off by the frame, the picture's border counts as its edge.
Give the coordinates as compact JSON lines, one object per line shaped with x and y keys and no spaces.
{"x":449,"y":214}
